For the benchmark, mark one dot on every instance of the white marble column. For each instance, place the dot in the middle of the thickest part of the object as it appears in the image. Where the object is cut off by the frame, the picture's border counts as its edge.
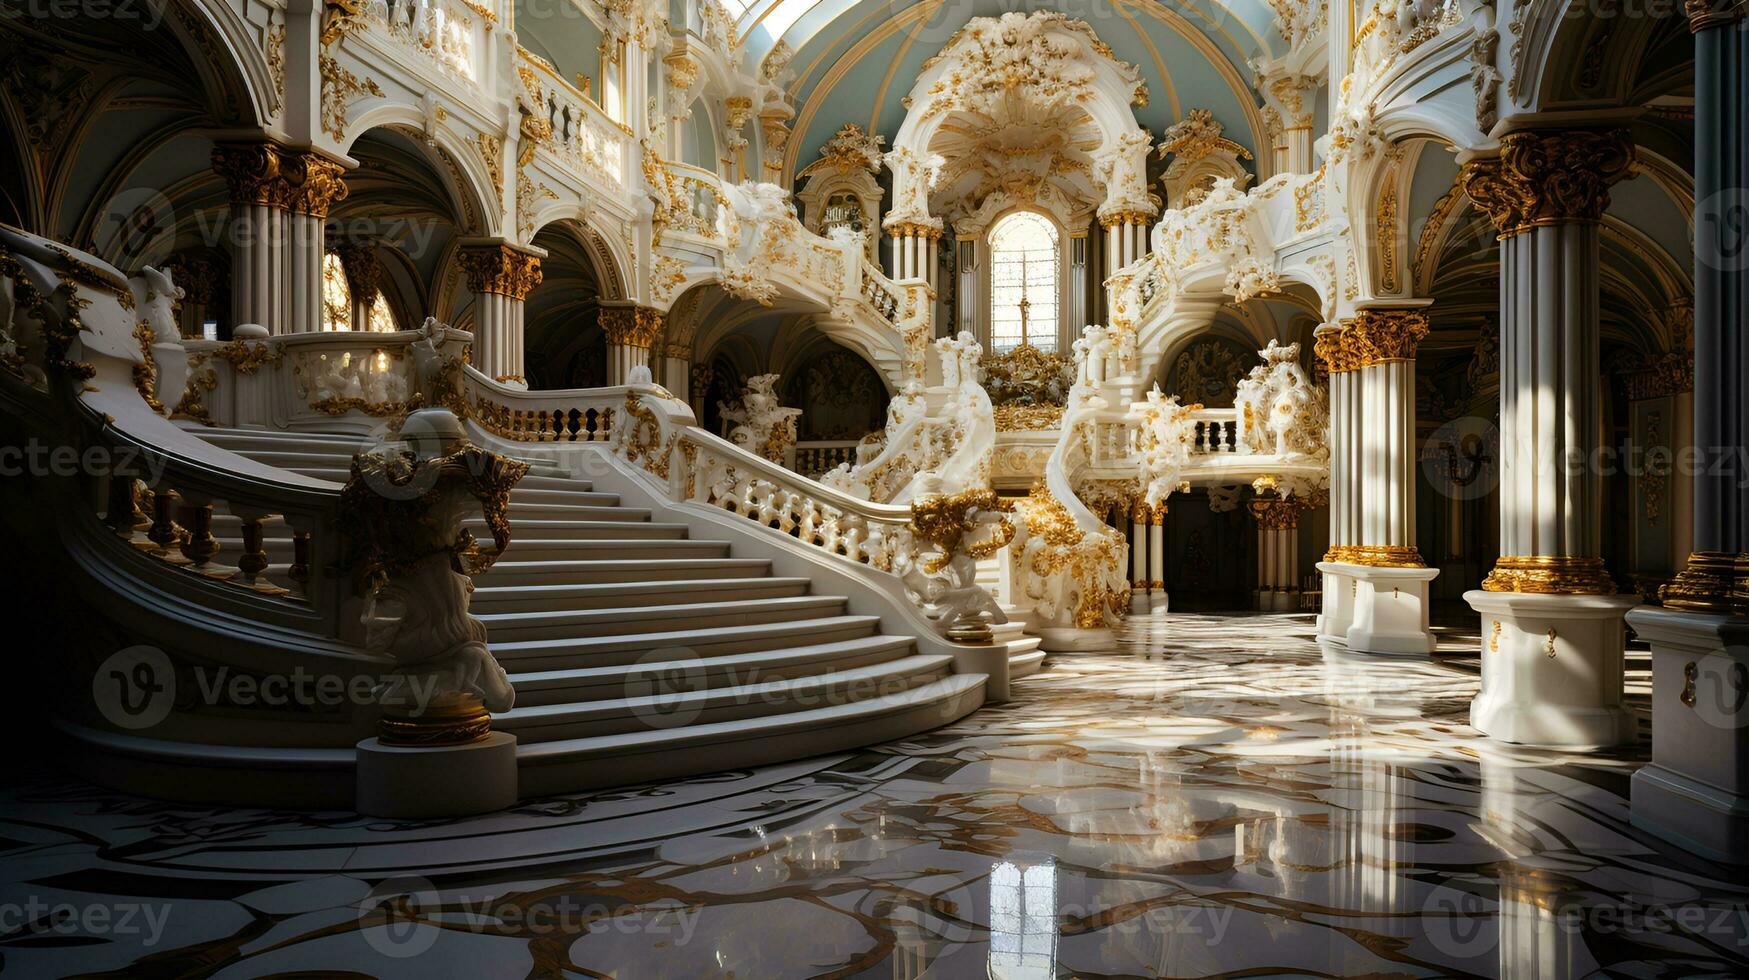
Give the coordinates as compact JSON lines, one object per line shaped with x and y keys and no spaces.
{"x":631,"y":332}
{"x":1696,"y":790}
{"x":1552,"y":628}
{"x":1278,"y":545}
{"x":1373,"y":553}
{"x":279,"y":206}
{"x":501,"y":277}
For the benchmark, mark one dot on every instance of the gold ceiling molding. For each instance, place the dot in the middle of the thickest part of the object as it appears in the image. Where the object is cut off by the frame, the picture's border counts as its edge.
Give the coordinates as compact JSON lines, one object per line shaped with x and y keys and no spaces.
{"x":1549,"y":177}
{"x":1173,"y":20}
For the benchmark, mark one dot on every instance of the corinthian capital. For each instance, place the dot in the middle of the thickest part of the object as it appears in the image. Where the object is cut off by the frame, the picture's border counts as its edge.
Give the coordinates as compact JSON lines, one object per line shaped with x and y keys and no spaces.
{"x":1548,"y":177}
{"x":631,"y":326}
{"x":501,"y":269}
{"x":270,"y":175}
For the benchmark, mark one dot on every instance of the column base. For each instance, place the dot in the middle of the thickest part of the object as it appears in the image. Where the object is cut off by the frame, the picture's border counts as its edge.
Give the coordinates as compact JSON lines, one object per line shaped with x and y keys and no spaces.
{"x":1053,"y":639}
{"x":1391,"y":611}
{"x":1552,"y":669}
{"x":419,"y":783}
{"x":1695,"y":793}
{"x":1339,"y":589}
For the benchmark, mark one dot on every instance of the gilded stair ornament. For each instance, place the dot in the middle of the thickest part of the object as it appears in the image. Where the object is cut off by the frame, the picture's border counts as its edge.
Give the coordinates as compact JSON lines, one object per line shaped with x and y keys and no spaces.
{"x":962,"y":529}
{"x":401,"y":514}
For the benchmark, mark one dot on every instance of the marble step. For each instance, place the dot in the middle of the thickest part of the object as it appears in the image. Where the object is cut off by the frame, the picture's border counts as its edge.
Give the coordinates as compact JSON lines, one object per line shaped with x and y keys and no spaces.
{"x":341,"y":471}
{"x":620,"y":547}
{"x":1025,"y":664}
{"x":556,"y":660}
{"x":546,"y":598}
{"x":513,"y":572}
{"x":633,"y":621}
{"x":684,"y":699}
{"x":572,"y":764}
{"x":581,"y":530}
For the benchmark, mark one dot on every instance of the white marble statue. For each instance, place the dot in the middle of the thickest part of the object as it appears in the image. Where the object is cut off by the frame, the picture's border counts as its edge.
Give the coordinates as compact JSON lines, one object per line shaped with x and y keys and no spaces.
{"x":1164,"y":434}
{"x":762,"y":425}
{"x":1281,"y":411}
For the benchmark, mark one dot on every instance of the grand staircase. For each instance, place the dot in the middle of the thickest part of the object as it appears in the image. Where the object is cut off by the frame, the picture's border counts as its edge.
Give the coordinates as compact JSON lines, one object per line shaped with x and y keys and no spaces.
{"x":639,"y":652}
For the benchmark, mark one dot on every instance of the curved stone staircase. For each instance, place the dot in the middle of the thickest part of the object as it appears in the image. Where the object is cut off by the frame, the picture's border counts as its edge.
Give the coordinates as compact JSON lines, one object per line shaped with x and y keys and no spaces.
{"x":639,"y":652}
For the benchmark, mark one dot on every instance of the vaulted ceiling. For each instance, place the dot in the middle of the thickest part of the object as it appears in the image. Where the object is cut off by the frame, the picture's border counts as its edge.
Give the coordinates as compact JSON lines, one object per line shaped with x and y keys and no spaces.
{"x":855,"y":60}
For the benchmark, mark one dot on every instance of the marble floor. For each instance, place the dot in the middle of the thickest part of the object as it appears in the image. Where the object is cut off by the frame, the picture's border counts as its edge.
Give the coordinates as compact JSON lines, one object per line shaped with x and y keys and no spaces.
{"x":1220,"y":797}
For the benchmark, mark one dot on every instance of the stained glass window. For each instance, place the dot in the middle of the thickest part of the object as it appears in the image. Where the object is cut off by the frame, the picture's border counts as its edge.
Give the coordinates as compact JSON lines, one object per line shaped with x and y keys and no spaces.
{"x":382,"y":319}
{"x":1023,"y":282}
{"x":336,"y":295}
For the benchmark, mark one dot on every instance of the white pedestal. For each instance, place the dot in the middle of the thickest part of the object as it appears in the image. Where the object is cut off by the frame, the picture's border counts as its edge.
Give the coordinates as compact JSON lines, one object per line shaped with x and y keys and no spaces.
{"x":431,"y":783}
{"x":1696,"y":790}
{"x":1339,"y":592}
{"x":1159,"y":601}
{"x":1391,"y":611}
{"x":1054,"y":639}
{"x":1570,"y":699}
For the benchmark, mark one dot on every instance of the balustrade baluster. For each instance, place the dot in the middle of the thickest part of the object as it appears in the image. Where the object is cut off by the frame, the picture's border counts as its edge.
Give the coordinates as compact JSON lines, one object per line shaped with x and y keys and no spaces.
{"x":198,"y":543}
{"x":164,"y":532}
{"x":124,"y":513}
{"x":253,"y":561}
{"x":300,"y":565}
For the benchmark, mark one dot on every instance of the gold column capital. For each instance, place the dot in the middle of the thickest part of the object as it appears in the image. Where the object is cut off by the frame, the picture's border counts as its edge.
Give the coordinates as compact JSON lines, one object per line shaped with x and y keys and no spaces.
{"x":271,"y":175}
{"x":501,"y":269}
{"x":1276,"y":513}
{"x":1372,"y":336}
{"x":1549,"y":177}
{"x":1704,"y":15}
{"x":632,"y":326}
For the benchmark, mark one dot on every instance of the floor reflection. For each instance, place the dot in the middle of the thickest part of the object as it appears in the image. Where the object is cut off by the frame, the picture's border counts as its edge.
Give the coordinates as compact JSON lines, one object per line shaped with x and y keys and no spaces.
{"x":1223,"y":796}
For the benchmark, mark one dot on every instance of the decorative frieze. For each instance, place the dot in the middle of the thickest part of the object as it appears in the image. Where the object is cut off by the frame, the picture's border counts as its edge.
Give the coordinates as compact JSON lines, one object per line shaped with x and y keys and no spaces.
{"x":1547,"y":177}
{"x":501,"y":269}
{"x":271,"y":175}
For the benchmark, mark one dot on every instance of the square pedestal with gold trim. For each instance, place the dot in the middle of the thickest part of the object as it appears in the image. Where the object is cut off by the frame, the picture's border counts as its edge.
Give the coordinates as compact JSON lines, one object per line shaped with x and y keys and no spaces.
{"x":1338,"y":609}
{"x":430,"y":783}
{"x":1391,"y":610}
{"x":1696,"y":790}
{"x":1552,"y":669}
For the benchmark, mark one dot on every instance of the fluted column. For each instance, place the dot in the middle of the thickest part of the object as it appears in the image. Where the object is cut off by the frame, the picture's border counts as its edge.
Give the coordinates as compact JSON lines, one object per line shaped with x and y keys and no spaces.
{"x":676,"y":373}
{"x":1383,"y":343}
{"x":1695,"y":792}
{"x":914,"y":251}
{"x":1552,"y":622}
{"x":279,"y":205}
{"x":1278,"y":545}
{"x":501,"y":277}
{"x":1126,"y":238}
{"x":631,"y":332}
{"x":364,"y":275}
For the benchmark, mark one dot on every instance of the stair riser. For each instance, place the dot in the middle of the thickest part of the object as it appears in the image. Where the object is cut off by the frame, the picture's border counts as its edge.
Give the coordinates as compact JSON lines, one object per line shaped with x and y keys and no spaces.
{"x":573,"y":658}
{"x":612,"y":768}
{"x":579,"y":627}
{"x":515,"y":602}
{"x":553,"y":573}
{"x":805,"y":696}
{"x":611,"y":550}
{"x":635,"y":683}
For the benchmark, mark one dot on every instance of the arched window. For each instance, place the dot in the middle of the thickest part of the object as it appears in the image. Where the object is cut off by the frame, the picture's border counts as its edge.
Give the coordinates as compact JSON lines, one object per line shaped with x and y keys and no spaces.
{"x":1023,"y":282}
{"x":336,"y":295}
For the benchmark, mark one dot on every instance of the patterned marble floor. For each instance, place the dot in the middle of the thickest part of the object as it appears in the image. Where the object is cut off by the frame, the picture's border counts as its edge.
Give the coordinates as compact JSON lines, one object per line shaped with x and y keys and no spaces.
{"x":1220,"y":797}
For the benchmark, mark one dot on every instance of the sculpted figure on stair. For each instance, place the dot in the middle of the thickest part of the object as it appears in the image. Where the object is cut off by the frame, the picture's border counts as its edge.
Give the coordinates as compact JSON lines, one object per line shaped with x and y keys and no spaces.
{"x":1281,"y":411}
{"x":412,"y":561}
{"x":763,"y":426}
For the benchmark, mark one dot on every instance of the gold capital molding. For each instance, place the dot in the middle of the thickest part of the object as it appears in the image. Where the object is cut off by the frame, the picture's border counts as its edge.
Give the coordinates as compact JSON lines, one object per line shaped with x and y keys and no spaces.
{"x":1666,"y":374}
{"x":1705,"y":15}
{"x":501,"y":269}
{"x":1713,"y":582}
{"x":1550,"y":575}
{"x":913,"y":229}
{"x":1126,"y":217}
{"x":1549,"y":177}
{"x":632,"y":326}
{"x":1276,"y":514}
{"x":1372,"y":336}
{"x":274,"y":176}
